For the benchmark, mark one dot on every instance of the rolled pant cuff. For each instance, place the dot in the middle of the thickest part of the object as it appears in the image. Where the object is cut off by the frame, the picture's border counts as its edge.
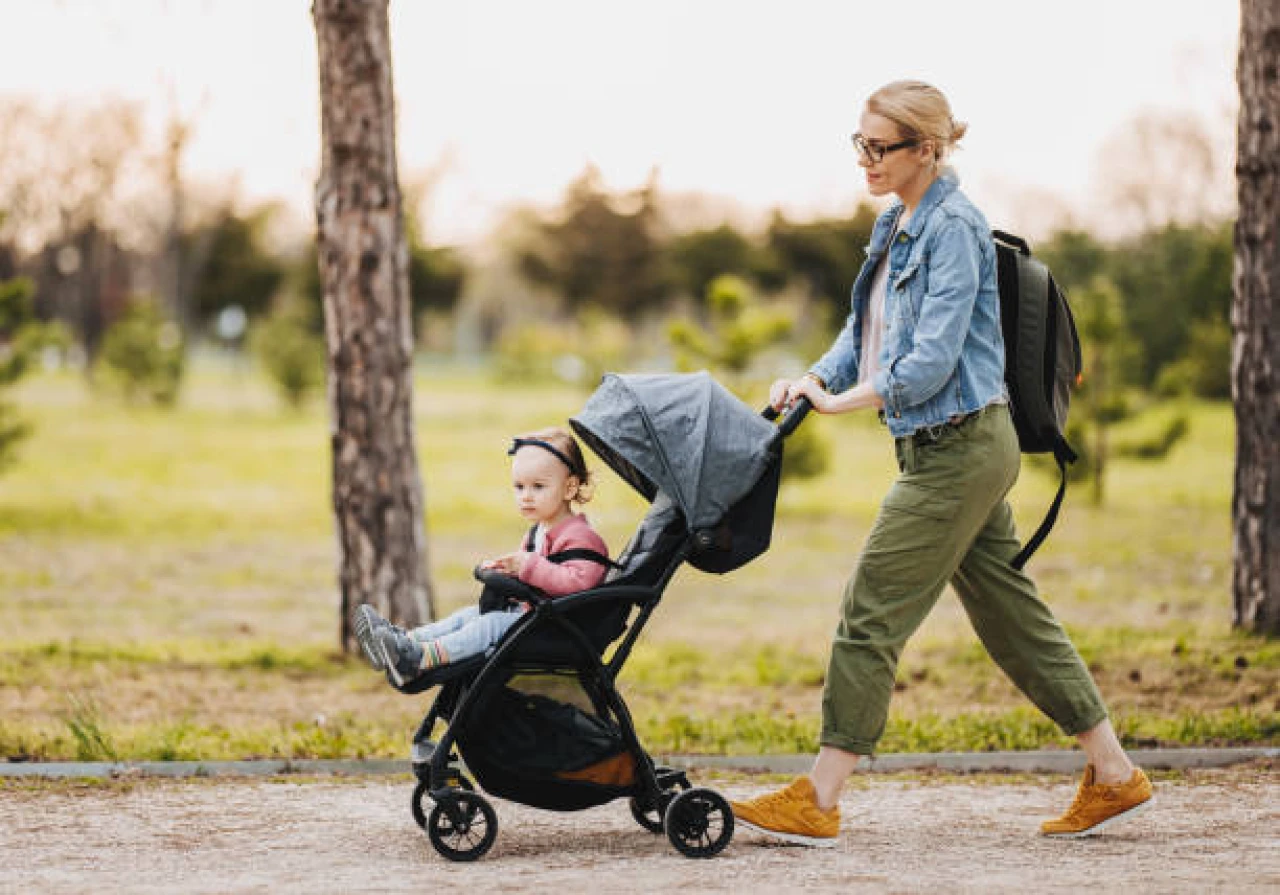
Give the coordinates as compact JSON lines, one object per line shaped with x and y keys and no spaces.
{"x":847,"y":744}
{"x":1075,"y":726}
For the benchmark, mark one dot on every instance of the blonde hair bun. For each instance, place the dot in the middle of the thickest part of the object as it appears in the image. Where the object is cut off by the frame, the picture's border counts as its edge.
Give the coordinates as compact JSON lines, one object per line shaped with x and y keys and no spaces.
{"x":919,"y":110}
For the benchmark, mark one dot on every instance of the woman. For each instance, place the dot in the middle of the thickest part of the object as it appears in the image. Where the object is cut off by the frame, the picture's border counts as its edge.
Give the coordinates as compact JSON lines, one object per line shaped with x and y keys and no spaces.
{"x":923,"y":346}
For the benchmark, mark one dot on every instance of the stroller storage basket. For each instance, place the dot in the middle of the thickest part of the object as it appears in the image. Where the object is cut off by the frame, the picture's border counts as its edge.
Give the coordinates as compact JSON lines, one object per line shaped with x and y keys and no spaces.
{"x":544,"y":752}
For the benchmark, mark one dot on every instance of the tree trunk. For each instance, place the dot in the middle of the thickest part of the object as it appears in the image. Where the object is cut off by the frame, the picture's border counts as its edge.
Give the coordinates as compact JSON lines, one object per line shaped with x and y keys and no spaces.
{"x":1255,"y":321}
{"x":363,"y":258}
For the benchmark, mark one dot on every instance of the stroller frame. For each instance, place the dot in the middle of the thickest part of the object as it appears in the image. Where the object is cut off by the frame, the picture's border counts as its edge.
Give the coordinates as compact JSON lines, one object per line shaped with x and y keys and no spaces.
{"x":699,"y":513}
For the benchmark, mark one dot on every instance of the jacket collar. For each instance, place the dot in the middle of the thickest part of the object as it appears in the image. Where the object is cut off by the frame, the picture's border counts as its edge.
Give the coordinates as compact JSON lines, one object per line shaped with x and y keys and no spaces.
{"x":943,"y":186}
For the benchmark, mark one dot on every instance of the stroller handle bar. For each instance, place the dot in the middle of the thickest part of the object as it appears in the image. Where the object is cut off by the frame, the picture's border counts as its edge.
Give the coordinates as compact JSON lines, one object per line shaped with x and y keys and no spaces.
{"x":794,"y":415}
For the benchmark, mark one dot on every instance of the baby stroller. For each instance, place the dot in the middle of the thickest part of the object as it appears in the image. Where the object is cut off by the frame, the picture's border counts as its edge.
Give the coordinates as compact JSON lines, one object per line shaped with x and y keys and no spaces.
{"x":539,"y":720}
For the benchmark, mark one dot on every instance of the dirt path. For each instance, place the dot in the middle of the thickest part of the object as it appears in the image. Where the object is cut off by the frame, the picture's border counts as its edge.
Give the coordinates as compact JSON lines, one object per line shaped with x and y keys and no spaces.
{"x":1215,"y":831}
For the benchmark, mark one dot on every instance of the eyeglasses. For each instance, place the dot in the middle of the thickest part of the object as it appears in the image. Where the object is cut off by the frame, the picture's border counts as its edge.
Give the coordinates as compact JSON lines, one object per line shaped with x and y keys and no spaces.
{"x":874,"y":153}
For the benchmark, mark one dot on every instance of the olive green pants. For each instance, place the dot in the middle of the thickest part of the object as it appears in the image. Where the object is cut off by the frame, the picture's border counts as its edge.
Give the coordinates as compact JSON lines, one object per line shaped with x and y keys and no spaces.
{"x":946,"y":519}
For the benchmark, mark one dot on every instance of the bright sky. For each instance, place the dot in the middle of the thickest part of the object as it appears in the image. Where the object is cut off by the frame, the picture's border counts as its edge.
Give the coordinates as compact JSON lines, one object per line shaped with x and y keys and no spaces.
{"x":748,"y":100}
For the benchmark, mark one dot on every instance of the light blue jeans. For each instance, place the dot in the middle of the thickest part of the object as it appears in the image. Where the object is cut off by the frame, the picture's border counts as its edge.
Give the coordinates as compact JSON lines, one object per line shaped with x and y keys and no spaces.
{"x":468,"y":632}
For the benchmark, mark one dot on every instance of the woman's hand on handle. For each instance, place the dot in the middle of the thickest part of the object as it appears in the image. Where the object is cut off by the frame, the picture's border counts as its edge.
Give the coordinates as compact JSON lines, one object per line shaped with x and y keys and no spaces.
{"x":785,"y":392}
{"x":780,"y":394}
{"x":808,"y":387}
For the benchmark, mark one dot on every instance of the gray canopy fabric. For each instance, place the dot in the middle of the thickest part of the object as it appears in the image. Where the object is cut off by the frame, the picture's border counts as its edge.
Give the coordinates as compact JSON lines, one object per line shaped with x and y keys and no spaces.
{"x":682,"y":434}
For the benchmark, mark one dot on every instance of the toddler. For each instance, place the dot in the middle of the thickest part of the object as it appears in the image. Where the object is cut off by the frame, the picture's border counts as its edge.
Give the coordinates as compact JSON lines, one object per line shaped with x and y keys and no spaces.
{"x":561,"y":554}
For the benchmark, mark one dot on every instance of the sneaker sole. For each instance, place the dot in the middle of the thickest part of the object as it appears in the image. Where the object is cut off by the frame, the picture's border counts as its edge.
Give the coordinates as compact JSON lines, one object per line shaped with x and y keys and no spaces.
{"x":1101,"y":825}
{"x":363,"y":628}
{"x":793,"y":838}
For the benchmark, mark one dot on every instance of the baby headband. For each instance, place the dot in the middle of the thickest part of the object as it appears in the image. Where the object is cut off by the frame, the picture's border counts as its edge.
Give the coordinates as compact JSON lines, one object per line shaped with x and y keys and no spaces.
{"x":517,"y":443}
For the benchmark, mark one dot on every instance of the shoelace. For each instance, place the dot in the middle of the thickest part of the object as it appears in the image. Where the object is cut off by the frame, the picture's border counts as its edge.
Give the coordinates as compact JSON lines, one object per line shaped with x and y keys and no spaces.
{"x":781,"y":797}
{"x":1097,"y":790}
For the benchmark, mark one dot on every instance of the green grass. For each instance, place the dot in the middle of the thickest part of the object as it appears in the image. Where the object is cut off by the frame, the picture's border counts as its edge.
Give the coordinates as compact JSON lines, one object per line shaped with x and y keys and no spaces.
{"x":167,"y":588}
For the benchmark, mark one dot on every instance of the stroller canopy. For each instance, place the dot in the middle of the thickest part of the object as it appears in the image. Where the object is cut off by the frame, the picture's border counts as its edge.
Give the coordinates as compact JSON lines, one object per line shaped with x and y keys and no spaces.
{"x":682,"y":434}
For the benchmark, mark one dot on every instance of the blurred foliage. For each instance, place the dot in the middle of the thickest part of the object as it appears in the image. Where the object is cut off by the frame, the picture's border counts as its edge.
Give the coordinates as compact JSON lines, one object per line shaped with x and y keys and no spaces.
{"x":143,"y":355}
{"x":738,"y":327}
{"x":578,"y":352}
{"x":436,"y":273}
{"x":602,"y":250}
{"x":238,"y":268}
{"x":1205,"y":370}
{"x":1103,"y":398}
{"x":1175,"y":286}
{"x":826,"y":253}
{"x":1158,"y":445}
{"x":699,"y":256}
{"x":290,"y":352}
{"x":16,"y":350}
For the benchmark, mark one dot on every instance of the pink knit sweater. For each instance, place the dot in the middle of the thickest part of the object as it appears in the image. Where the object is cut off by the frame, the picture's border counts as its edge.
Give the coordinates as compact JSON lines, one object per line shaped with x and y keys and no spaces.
{"x":558,"y":579}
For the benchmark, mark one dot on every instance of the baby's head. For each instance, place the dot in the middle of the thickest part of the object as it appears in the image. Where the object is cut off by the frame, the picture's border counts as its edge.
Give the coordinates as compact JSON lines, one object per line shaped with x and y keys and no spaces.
{"x":548,"y":474}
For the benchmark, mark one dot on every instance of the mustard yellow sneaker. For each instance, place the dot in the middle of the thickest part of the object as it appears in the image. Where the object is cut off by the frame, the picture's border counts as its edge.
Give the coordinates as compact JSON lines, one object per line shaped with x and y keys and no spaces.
{"x":791,"y":814}
{"x":1098,"y":804}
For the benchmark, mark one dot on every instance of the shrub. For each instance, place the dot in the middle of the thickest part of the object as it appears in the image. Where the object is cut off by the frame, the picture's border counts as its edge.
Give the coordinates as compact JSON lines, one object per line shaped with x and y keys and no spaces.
{"x":290,"y":353}
{"x":21,"y":338}
{"x":143,"y":356}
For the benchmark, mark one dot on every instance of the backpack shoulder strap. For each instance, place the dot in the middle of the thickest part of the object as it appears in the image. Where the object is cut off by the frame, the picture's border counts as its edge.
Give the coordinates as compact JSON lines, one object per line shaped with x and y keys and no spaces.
{"x":1063,"y":454}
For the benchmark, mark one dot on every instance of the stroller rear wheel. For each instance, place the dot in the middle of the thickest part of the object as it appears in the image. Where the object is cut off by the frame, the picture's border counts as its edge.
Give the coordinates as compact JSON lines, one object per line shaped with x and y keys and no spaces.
{"x":462,"y":825}
{"x":699,"y":823}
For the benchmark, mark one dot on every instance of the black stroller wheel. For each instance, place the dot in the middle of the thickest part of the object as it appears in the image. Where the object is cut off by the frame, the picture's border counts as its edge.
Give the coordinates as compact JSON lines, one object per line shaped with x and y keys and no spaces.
{"x":699,"y":823}
{"x":650,"y":816}
{"x":462,"y":825}
{"x":422,"y":792}
{"x":647,"y":814}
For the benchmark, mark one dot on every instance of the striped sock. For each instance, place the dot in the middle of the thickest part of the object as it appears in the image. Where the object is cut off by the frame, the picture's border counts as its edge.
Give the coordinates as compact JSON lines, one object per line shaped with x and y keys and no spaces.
{"x":433,"y":654}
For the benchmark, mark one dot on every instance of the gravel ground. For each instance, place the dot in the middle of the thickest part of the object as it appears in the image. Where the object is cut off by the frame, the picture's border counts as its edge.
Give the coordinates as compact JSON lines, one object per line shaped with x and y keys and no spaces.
{"x":1209,"y":832}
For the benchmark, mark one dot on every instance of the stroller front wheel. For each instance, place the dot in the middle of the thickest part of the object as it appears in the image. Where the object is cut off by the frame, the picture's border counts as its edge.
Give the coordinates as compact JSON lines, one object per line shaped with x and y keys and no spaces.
{"x":422,"y":792}
{"x":462,"y":825}
{"x":647,"y":814}
{"x":699,"y":823}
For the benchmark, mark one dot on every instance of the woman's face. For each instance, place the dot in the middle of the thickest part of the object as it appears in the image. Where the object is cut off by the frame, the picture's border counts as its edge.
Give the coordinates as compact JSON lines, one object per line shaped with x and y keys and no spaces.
{"x":899,"y":170}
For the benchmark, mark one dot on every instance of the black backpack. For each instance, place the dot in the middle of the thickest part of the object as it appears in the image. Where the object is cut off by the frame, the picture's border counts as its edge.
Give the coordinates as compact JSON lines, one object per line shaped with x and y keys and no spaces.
{"x":1042,"y":363}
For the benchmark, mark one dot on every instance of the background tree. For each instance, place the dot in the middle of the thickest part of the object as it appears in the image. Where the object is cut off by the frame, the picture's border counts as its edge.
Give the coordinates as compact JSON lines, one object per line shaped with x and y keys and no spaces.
{"x":826,"y":253}
{"x":737,"y":327}
{"x":238,"y":269}
{"x":143,"y":355}
{"x":1255,"y":318}
{"x":16,"y":349}
{"x":699,"y":256}
{"x":601,"y":250}
{"x":363,"y":263}
{"x":1100,"y":319}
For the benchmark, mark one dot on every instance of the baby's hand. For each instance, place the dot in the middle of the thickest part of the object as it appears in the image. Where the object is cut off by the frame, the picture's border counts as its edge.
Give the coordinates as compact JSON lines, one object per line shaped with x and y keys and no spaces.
{"x":510,"y":564}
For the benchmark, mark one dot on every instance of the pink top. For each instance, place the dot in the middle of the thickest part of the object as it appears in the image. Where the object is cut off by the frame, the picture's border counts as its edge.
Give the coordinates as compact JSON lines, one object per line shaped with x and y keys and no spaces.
{"x":558,"y":579}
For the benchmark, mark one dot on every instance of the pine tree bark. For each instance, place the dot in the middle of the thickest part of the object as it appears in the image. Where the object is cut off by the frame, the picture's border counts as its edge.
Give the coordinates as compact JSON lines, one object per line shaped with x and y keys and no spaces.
{"x":363,"y":258}
{"x":1255,"y":322}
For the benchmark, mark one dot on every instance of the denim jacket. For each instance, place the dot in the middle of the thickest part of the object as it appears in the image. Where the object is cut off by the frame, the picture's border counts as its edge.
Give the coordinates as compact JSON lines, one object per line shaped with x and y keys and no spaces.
{"x":942,"y":354}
